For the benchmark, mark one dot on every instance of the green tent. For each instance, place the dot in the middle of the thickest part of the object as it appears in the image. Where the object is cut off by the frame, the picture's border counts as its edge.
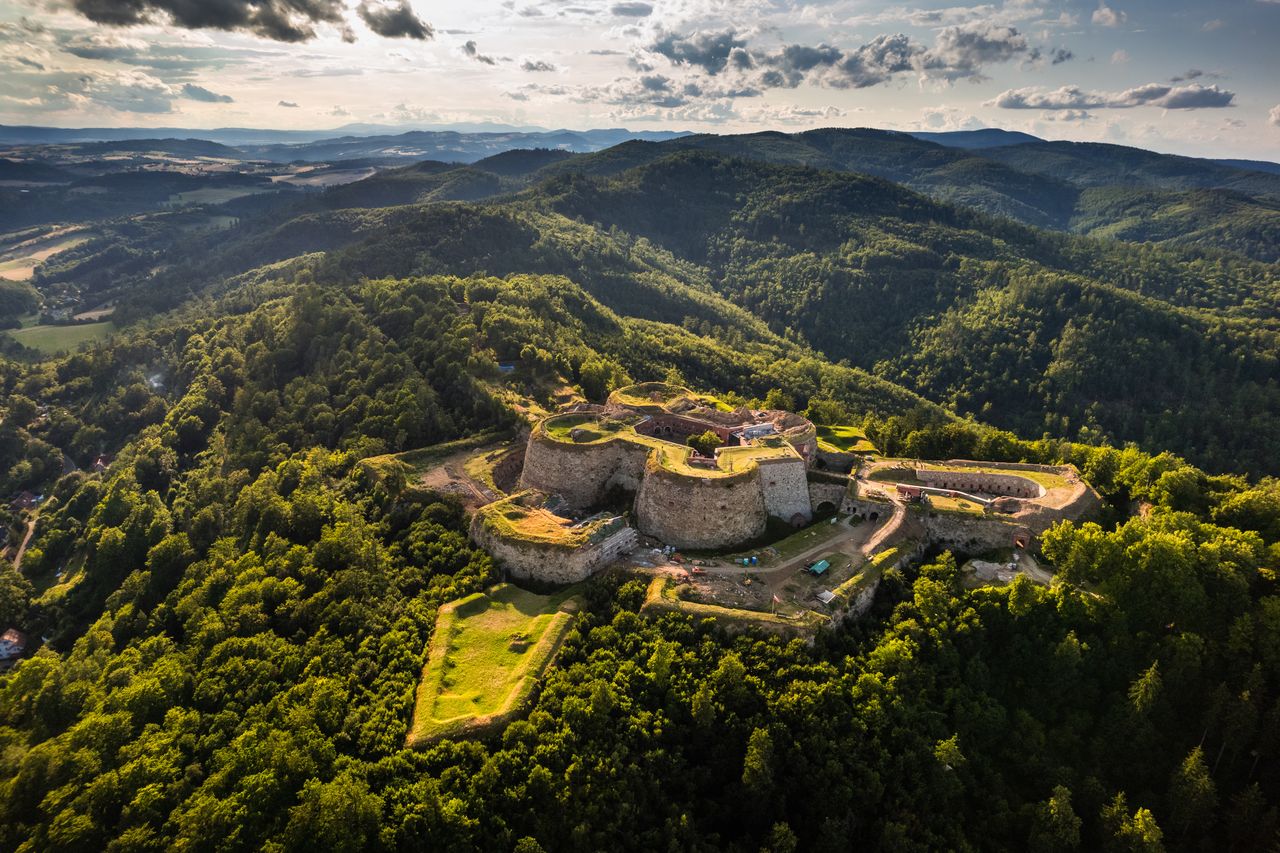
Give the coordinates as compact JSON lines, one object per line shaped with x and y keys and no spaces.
{"x":819,"y":567}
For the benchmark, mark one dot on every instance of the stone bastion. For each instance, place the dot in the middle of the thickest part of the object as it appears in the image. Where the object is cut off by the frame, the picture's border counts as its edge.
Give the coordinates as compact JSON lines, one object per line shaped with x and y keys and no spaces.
{"x":533,"y":542}
{"x":634,"y":449}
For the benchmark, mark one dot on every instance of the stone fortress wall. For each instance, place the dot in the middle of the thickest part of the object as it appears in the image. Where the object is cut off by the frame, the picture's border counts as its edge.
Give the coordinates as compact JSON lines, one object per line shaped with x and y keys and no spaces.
{"x":786,"y":489}
{"x":550,"y":562}
{"x":980,"y":482}
{"x":701,"y":512}
{"x":679,"y":507}
{"x":582,"y":474}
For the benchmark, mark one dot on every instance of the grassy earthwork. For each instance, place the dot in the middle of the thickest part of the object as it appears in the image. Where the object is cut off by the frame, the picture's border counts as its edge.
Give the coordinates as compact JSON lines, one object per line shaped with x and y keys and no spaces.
{"x":844,"y":439}
{"x":662,"y":597}
{"x":486,"y":656}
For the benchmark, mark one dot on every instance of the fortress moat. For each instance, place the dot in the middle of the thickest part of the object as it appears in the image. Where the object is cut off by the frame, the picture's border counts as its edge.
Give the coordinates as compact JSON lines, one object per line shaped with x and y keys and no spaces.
{"x":658,"y":461}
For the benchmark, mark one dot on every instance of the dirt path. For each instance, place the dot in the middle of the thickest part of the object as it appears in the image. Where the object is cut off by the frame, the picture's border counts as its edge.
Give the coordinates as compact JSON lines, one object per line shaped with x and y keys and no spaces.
{"x":450,"y":476}
{"x":22,"y":549}
{"x":887,"y":531}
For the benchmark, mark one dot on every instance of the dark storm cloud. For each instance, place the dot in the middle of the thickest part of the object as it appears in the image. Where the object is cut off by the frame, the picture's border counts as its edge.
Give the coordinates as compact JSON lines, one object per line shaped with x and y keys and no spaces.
{"x":199,"y":93}
{"x":537,"y":65}
{"x":394,"y":20}
{"x":280,"y":20}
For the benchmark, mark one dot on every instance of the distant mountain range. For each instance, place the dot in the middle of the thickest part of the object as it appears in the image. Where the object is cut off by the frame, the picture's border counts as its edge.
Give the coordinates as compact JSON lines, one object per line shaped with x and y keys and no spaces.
{"x":461,"y":144}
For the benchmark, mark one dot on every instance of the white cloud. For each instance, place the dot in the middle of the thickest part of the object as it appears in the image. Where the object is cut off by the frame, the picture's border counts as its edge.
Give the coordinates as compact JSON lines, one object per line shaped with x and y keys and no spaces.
{"x":1274,"y":116}
{"x":1105,"y":16}
{"x":1120,"y":57}
{"x":1191,"y":97}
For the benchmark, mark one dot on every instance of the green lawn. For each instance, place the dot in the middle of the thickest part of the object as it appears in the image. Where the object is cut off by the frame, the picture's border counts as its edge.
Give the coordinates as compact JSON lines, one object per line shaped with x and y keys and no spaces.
{"x":845,"y":439}
{"x":485,"y":658}
{"x":54,"y":339}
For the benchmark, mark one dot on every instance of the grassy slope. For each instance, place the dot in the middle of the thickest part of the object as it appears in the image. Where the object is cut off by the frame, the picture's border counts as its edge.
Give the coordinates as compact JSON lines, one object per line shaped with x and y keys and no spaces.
{"x":54,"y":339}
{"x":475,"y":677}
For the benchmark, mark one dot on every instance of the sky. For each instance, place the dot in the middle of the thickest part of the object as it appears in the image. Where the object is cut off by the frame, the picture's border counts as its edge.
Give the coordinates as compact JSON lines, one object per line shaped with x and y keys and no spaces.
{"x":1199,"y":78}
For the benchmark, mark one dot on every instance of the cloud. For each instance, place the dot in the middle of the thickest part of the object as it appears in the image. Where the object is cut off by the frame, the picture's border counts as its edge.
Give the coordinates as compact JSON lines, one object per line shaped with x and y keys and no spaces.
{"x":1059,"y":55}
{"x":708,"y":50}
{"x":632,"y":9}
{"x":959,"y":52}
{"x":1068,"y":116}
{"x":199,"y":93}
{"x":340,"y":112}
{"x":537,"y":65}
{"x":1105,"y":16}
{"x":391,"y":19}
{"x":472,"y":51}
{"x":962,"y":51}
{"x":172,"y":59}
{"x":280,"y":20}
{"x":1274,"y":116}
{"x":289,"y":104}
{"x":1210,"y":26}
{"x":1120,"y":57}
{"x":131,"y":91}
{"x":1167,"y":97}
{"x":1194,"y":74}
{"x":30,"y":63}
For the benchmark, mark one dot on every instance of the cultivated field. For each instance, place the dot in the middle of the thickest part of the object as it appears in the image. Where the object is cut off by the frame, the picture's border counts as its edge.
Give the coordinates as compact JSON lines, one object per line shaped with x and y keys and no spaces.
{"x":485,"y":658}
{"x":19,"y":261}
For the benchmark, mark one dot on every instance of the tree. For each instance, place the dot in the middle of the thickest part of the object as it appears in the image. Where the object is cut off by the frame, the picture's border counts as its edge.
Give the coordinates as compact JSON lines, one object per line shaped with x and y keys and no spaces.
{"x":340,"y":815}
{"x":706,"y":443}
{"x":757,"y":769}
{"x":1144,"y":692}
{"x":1056,"y":826}
{"x":1192,"y":794}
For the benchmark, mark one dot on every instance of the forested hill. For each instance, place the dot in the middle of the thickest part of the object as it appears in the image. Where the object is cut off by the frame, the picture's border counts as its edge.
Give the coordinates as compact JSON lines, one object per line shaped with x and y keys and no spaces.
{"x":1027,"y":329}
{"x":233,"y":613}
{"x":238,"y":615}
{"x":1183,"y":200}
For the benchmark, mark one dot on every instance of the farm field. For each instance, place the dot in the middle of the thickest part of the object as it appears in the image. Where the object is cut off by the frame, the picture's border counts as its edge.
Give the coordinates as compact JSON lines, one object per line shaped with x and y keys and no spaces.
{"x":486,"y":655}
{"x":214,"y":195}
{"x":55,"y":339}
{"x":19,"y":263}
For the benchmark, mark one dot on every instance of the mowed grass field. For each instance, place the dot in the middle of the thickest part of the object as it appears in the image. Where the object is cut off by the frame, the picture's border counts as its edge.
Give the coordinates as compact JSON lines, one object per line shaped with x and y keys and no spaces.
{"x":486,"y":655}
{"x":54,"y":339}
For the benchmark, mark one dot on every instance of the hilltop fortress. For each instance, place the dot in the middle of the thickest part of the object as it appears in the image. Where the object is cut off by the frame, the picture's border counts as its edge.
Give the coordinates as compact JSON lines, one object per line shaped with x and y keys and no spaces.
{"x":597,"y":476}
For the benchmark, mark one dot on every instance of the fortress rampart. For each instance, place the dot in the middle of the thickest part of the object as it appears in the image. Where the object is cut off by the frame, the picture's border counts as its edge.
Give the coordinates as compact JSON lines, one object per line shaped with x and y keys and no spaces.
{"x":549,"y":561}
{"x":980,"y":482}
{"x":786,"y":489}
{"x":701,"y":512}
{"x":582,"y":474}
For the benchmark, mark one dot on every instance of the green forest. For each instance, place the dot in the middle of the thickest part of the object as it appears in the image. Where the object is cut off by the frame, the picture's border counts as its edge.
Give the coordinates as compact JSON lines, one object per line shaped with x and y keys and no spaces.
{"x":234,"y":615}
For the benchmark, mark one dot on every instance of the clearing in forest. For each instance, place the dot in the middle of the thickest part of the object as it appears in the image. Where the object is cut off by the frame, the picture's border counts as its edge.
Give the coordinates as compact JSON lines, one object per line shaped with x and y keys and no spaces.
{"x":485,"y":658}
